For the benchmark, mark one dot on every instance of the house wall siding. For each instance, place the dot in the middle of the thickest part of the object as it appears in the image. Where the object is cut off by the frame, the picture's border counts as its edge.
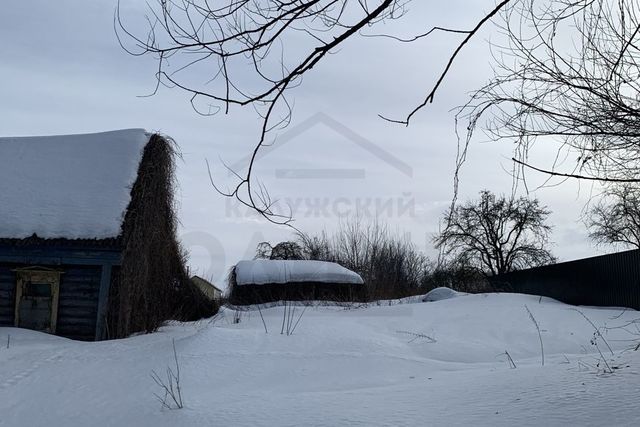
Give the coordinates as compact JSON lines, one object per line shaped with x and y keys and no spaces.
{"x":78,"y":303}
{"x":7,"y":295}
{"x":80,"y":283}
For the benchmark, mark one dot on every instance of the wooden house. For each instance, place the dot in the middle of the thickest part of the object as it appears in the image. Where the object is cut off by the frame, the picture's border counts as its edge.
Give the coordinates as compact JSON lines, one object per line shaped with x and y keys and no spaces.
{"x":88,"y":246}
{"x":209,"y":289}
{"x":261,"y":281}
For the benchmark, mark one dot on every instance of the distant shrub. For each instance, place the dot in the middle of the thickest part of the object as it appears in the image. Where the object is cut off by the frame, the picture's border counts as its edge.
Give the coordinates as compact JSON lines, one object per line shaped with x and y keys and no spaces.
{"x":192,"y":304}
{"x":458,"y":275}
{"x":390,"y":265}
{"x":281,"y":251}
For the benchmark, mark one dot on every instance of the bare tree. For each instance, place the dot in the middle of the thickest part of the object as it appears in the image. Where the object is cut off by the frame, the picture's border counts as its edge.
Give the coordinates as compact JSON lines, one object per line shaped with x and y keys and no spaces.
{"x":615,"y":218}
{"x":263,"y":250}
{"x":316,"y":247}
{"x":497,"y":234}
{"x":287,"y":250}
{"x":456,"y":273}
{"x":281,"y":251}
{"x":242,"y":48}
{"x":567,"y":80}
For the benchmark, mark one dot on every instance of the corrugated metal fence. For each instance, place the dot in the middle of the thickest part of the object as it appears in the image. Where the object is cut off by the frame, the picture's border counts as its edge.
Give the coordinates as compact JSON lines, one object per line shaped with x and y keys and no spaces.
{"x":609,"y":280}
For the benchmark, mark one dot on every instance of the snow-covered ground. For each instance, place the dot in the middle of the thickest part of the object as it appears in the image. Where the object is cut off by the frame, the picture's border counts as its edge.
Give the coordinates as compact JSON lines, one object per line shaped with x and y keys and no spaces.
{"x":434,"y":363}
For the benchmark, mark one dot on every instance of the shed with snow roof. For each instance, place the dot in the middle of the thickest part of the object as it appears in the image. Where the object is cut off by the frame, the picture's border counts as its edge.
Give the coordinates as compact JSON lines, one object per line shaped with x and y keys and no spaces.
{"x":260,"y":281}
{"x":209,"y":289}
{"x":88,"y":246}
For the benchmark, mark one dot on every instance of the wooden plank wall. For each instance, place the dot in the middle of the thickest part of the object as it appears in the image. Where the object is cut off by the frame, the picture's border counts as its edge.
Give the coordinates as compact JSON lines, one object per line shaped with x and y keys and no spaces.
{"x":7,"y":295}
{"x":78,"y":303}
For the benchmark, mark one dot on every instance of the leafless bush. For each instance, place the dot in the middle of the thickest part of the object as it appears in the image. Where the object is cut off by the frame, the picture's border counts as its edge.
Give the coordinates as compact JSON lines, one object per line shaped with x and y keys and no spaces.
{"x":289,"y":321}
{"x":281,"y":251}
{"x":192,"y":304}
{"x":172,"y":393}
{"x":458,"y":275}
{"x":535,"y":322}
{"x":237,"y":316}
{"x":597,"y":335}
{"x":512,"y":364}
{"x":390,"y":265}
{"x":317,"y":247}
{"x":266,"y":331}
{"x":417,"y":335}
{"x":597,"y":332}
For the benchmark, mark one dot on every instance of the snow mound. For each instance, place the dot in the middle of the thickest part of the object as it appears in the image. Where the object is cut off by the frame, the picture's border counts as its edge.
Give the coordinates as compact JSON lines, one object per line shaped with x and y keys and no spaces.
{"x":370,"y":365}
{"x":68,"y":186}
{"x":260,"y":272}
{"x":439,"y":294}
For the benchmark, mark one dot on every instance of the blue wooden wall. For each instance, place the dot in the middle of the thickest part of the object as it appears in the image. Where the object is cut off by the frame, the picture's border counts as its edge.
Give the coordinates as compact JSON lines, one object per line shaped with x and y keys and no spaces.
{"x":84,"y":285}
{"x":77,"y":305}
{"x":7,"y":295}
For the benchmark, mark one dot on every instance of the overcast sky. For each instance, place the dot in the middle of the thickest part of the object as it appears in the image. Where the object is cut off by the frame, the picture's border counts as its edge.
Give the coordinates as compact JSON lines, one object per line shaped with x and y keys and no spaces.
{"x":62,"y":72}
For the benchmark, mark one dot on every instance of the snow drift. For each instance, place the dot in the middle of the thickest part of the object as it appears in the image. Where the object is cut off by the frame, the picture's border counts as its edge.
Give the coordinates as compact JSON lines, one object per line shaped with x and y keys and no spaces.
{"x":438,"y":364}
{"x":439,"y":294}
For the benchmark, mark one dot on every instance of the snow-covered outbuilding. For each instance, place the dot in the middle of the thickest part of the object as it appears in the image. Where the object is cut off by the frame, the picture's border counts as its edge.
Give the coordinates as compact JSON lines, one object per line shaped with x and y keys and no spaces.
{"x":259,"y":281}
{"x":209,"y":289}
{"x":87,"y":234}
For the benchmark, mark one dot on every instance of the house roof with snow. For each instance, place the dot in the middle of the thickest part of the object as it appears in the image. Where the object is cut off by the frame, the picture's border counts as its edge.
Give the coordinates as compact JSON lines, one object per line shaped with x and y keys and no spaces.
{"x":260,"y":272}
{"x":208,"y":288}
{"x":105,"y":202}
{"x":68,"y":186}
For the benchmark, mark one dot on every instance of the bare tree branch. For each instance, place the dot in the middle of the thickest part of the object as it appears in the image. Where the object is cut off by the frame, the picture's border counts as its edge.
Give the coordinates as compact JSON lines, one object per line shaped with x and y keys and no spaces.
{"x":567,"y":79}
{"x":571,"y":175}
{"x":242,"y":46}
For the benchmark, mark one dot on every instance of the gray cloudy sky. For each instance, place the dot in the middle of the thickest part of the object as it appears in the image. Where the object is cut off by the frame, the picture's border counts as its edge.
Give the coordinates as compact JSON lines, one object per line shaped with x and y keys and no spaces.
{"x":62,"y":71}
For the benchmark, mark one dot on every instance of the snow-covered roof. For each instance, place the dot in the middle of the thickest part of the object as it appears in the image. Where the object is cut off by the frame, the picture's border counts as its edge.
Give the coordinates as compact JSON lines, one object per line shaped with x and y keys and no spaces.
{"x":68,"y":186}
{"x":205,"y":282}
{"x":260,"y":272}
